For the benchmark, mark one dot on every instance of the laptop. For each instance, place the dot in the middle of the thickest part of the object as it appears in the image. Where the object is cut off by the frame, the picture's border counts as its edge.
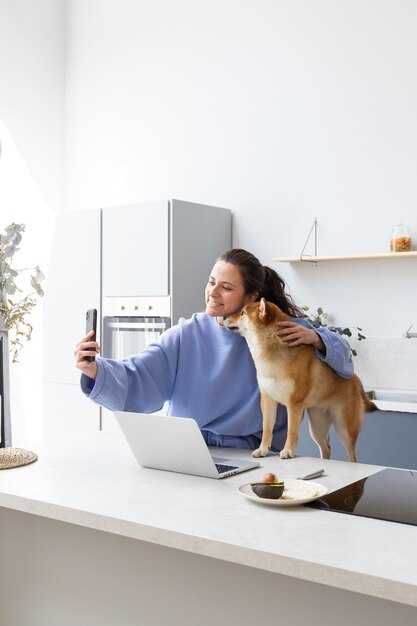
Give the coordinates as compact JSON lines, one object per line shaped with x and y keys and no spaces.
{"x":175,"y":444}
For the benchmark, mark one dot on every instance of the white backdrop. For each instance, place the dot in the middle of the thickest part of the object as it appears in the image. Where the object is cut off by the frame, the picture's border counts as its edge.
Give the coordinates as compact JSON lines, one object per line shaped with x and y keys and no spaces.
{"x":280,"y":110}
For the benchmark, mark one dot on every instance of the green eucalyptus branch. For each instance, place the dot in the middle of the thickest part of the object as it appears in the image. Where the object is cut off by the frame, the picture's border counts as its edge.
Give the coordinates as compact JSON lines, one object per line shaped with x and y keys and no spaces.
{"x":13,"y":314}
{"x":319,"y":318}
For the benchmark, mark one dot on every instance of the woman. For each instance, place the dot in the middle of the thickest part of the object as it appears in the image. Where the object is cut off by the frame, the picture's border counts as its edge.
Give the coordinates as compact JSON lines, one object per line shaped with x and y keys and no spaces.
{"x":204,"y":371}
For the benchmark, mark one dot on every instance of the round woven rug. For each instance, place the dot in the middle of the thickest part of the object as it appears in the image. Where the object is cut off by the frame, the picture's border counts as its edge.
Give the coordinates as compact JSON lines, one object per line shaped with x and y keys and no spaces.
{"x":15,"y":457}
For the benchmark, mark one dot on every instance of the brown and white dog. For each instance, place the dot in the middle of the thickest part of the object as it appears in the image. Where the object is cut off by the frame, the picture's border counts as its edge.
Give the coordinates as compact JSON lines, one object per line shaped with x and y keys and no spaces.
{"x":295,"y":377}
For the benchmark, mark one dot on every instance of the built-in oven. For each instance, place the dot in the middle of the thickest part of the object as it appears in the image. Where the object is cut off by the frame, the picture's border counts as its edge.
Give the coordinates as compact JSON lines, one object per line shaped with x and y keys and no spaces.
{"x":130,"y":324}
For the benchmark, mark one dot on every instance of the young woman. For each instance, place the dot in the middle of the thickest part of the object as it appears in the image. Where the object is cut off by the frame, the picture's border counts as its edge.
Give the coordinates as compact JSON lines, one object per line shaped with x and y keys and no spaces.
{"x":202,"y":370}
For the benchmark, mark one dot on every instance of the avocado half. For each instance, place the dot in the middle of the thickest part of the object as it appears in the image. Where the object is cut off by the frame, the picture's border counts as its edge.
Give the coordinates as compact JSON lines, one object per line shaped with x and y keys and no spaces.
{"x":272,"y":491}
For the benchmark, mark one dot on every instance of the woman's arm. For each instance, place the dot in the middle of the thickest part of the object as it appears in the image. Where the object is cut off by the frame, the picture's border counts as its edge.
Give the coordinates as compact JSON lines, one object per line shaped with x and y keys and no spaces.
{"x":140,"y":383}
{"x":330,"y":347}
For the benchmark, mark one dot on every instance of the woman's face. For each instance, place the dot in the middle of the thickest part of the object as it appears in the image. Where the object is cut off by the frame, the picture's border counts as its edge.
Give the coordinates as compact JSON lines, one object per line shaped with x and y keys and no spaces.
{"x":225,"y":293}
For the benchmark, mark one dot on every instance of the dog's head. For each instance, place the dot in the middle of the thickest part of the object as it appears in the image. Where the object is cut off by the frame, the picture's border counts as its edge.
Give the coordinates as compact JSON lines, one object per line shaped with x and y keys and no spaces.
{"x":251,"y":316}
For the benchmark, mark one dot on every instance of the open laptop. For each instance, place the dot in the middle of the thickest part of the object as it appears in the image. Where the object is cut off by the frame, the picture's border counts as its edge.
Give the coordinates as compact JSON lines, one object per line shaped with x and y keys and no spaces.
{"x":175,"y":444}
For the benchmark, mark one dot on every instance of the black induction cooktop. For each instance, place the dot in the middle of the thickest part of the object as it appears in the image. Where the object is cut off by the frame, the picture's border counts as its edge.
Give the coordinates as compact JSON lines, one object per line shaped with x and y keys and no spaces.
{"x":390,"y":494}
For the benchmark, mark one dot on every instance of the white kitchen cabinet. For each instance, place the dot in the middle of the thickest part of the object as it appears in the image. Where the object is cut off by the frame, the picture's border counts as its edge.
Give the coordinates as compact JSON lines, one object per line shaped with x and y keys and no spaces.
{"x":135,"y":250}
{"x":163,"y":248}
{"x":72,"y":286}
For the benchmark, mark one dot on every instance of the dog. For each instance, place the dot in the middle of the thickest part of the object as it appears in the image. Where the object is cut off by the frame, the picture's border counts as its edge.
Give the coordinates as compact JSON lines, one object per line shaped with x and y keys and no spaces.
{"x":295,"y":377}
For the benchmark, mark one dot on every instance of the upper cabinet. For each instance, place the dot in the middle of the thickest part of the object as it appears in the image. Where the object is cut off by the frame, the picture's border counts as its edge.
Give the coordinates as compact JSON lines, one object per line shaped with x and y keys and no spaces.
{"x":135,"y":250}
{"x":163,"y":248}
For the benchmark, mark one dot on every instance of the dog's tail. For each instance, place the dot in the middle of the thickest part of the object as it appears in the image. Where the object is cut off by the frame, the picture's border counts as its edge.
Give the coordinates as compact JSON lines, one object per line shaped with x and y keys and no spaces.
{"x":369,"y":405}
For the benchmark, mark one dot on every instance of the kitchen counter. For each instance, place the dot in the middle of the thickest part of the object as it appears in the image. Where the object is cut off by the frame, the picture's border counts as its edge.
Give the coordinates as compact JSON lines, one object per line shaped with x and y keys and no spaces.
{"x":96,"y":489}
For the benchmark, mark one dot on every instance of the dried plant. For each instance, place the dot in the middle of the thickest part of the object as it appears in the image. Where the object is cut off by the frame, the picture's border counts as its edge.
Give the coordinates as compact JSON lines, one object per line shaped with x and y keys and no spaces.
{"x":14,"y":312}
{"x":319,"y":318}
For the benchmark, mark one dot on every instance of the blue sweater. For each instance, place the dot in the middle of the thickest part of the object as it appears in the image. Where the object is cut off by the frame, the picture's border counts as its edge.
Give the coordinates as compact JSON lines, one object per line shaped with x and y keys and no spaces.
{"x":204,"y":371}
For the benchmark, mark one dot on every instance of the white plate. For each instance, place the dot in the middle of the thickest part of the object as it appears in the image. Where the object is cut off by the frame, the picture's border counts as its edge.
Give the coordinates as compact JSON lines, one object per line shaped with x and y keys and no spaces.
{"x":295,"y":492}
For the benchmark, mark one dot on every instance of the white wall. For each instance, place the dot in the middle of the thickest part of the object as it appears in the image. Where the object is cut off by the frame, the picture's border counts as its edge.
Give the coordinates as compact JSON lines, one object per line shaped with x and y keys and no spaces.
{"x":32,"y":89}
{"x":31,"y":168}
{"x":280,"y":110}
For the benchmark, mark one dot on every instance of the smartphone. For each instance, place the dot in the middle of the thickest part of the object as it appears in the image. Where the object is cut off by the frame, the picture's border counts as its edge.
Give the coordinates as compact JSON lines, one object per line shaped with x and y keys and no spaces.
{"x":91,"y":324}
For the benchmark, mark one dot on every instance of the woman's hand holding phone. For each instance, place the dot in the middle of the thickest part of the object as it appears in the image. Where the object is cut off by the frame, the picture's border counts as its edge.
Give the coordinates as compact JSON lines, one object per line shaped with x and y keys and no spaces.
{"x":84,"y":359}
{"x":82,"y":353}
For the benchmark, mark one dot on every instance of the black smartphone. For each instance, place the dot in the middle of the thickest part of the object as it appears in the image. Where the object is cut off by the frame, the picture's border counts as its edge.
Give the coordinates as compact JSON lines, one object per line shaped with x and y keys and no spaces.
{"x":91,"y":324}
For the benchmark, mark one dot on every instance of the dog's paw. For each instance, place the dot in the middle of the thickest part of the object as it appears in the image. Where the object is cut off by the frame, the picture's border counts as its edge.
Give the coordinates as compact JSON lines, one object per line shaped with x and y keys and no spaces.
{"x":260,"y":452}
{"x":286,"y":453}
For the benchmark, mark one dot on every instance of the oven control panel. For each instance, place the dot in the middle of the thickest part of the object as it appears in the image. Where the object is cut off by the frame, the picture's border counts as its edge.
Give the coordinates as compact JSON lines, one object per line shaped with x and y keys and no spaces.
{"x":141,"y":306}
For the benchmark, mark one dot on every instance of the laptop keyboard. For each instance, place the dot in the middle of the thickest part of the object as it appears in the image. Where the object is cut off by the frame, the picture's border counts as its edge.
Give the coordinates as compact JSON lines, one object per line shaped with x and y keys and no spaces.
{"x":225,"y":468}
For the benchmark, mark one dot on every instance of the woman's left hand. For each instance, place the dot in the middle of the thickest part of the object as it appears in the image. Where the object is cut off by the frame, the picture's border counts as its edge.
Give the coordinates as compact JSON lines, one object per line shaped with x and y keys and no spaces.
{"x":297,"y":335}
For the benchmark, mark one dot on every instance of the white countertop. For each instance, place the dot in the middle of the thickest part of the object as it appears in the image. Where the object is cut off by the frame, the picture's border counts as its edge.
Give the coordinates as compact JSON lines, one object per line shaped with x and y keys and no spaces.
{"x":397,"y":407}
{"x":96,"y":483}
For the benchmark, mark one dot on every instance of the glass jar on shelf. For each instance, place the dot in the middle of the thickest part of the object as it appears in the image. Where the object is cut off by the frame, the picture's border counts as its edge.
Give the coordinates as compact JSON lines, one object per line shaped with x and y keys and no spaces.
{"x":401,"y":239}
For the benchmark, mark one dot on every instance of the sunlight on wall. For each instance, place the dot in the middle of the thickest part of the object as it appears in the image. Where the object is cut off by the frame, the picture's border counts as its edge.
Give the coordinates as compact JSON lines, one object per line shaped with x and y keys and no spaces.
{"x":22,"y":202}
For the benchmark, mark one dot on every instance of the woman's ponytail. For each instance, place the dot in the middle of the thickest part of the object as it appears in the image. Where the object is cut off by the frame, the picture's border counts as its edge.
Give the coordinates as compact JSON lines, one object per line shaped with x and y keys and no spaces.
{"x":274,"y":291}
{"x":260,"y":279}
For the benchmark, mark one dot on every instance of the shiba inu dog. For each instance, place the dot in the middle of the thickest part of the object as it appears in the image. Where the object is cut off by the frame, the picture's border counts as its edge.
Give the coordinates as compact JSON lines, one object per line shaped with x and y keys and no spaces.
{"x":295,"y":377}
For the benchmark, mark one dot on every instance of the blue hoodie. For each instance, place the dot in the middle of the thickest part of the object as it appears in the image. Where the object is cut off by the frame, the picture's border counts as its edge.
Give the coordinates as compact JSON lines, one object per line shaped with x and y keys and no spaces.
{"x":202,"y":370}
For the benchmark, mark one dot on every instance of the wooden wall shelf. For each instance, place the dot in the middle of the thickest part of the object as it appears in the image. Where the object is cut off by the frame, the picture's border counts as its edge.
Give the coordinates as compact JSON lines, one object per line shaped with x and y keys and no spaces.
{"x":346,"y":257}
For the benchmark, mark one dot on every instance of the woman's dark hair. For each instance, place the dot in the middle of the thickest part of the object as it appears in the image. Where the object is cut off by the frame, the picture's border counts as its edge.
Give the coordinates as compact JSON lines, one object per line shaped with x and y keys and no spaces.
{"x":261,"y":279}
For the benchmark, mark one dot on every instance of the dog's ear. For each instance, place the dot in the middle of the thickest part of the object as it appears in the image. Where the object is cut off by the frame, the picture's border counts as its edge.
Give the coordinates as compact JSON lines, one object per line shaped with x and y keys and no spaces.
{"x":263,"y":310}
{"x":266,"y":311}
